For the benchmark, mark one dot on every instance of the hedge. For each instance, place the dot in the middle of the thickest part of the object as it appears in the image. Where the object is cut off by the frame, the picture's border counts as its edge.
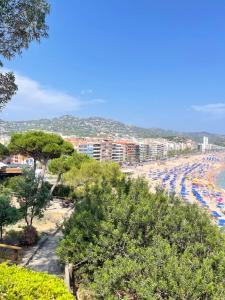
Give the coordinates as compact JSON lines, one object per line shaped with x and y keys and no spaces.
{"x":20,"y":283}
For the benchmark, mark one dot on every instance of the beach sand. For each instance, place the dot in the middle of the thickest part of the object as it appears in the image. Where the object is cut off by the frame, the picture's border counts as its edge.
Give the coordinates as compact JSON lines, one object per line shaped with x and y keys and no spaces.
{"x":198,"y":173}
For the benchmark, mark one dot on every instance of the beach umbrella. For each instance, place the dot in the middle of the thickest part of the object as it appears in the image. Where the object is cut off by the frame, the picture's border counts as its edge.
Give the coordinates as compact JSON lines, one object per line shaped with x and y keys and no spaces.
{"x":215,"y":214}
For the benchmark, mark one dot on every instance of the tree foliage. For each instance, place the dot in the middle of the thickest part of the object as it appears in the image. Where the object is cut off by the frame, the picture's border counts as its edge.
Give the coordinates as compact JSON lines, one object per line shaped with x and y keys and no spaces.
{"x":8,"y":88}
{"x":127,"y":243}
{"x":64,"y":163}
{"x":40,"y":145}
{"x":32,"y":198}
{"x":21,"y":22}
{"x":8,"y":213}
{"x":93,"y":172}
{"x":4,"y":152}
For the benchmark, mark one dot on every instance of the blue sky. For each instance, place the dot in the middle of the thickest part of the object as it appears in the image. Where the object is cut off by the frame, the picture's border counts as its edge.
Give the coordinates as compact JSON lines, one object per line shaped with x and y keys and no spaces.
{"x":148,"y":63}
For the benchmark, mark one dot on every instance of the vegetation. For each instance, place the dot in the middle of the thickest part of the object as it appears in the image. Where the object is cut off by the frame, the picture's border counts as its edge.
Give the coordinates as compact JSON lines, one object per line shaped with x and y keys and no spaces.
{"x":70,"y":125}
{"x":32,"y":193}
{"x":173,"y":153}
{"x":127,"y":243}
{"x":29,"y":236}
{"x":32,"y":198}
{"x":21,"y":22}
{"x":19,"y":283}
{"x":4,"y":152}
{"x":39,"y":145}
{"x":63,"y":164}
{"x":93,"y":172}
{"x":8,"y":213}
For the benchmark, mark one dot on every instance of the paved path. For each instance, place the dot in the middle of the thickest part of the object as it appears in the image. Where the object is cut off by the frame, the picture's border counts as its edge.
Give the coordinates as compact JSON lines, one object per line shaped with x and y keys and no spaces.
{"x":45,"y":260}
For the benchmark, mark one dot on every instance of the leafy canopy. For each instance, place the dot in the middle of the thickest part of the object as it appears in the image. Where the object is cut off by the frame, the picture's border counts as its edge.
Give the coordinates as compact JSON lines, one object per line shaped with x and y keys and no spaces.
{"x":32,"y":198}
{"x":59,"y":166}
{"x":21,"y":22}
{"x":65,"y":163}
{"x":91,"y":171}
{"x":127,"y":243}
{"x":4,"y":152}
{"x":40,"y":145}
{"x":8,"y":213}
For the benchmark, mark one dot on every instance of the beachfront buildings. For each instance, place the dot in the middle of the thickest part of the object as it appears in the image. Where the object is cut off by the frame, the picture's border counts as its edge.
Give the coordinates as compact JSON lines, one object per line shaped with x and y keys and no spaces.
{"x":205,"y":146}
{"x":126,"y":151}
{"x":100,"y":150}
{"x":107,"y":150}
{"x":118,"y":152}
{"x":144,"y":152}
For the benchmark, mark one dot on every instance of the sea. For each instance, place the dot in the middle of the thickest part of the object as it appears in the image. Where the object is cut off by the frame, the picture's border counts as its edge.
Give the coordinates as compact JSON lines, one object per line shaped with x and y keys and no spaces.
{"x":221,"y":179}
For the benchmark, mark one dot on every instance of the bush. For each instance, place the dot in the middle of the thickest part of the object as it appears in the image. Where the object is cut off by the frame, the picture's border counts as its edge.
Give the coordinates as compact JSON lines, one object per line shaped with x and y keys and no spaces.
{"x":20,"y":283}
{"x":29,"y":236}
{"x":62,"y":191}
{"x":13,"y":237}
{"x":127,"y":243}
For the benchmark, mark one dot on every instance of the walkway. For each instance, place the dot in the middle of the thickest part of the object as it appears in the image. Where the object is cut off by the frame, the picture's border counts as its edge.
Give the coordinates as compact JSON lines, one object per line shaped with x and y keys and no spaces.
{"x":45,"y":260}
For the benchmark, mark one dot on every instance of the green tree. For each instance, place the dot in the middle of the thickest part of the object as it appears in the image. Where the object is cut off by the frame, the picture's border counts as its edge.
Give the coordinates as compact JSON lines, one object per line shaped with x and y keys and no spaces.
{"x":127,"y":243}
{"x":21,"y":22}
{"x":92,"y":172}
{"x":39,"y":145}
{"x":63,"y":164}
{"x":4,"y":152}
{"x":8,"y":213}
{"x":32,"y":198}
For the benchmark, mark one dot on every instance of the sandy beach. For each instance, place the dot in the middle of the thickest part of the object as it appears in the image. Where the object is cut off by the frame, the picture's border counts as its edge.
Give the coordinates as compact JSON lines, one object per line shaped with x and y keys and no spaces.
{"x":193,"y":178}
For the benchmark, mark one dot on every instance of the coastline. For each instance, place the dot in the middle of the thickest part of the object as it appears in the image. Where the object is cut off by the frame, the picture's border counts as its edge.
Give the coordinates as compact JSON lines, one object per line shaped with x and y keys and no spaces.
{"x":213,"y":177}
{"x":192,"y":178}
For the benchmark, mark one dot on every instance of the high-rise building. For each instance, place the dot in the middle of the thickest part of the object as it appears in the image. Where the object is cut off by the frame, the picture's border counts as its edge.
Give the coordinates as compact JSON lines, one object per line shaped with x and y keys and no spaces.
{"x":100,"y":150}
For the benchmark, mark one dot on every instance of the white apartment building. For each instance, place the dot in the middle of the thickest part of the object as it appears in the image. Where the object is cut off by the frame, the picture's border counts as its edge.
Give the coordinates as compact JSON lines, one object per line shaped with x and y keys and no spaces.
{"x":144,"y":152}
{"x":118,"y":153}
{"x":157,"y":150}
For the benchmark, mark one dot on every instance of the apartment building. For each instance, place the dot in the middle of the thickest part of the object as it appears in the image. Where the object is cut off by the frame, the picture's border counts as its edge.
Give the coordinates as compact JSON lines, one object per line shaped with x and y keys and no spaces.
{"x":157,"y":150}
{"x":130,"y":151}
{"x":106,"y":150}
{"x":21,"y":160}
{"x":118,"y":152}
{"x":144,"y":152}
{"x":100,"y":150}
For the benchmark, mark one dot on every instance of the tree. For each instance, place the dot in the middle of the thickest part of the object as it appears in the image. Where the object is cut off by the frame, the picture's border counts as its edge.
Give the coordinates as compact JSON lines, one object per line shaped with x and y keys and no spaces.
{"x":91,"y":172}
{"x":127,"y":243}
{"x":21,"y":22}
{"x":63,"y":164}
{"x":8,"y":213}
{"x":4,"y":152}
{"x":39,"y":145}
{"x":32,"y":198}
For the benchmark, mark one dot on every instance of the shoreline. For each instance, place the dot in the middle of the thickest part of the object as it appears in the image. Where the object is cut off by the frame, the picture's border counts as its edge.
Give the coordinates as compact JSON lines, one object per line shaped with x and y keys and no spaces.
{"x":192,"y":178}
{"x":213,"y":177}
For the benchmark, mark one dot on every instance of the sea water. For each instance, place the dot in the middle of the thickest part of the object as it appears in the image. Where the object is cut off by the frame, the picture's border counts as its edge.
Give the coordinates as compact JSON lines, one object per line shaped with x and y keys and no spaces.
{"x":221,"y":179}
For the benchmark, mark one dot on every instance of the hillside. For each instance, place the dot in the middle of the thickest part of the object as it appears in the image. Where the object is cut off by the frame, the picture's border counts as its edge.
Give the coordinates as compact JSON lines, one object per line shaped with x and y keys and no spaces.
{"x":100,"y":127}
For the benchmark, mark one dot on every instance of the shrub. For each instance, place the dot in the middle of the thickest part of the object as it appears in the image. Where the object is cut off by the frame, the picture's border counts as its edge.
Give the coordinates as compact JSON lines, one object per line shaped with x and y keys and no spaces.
{"x":62,"y":191}
{"x":127,"y":243}
{"x":20,"y":283}
{"x":29,"y":236}
{"x":13,"y":237}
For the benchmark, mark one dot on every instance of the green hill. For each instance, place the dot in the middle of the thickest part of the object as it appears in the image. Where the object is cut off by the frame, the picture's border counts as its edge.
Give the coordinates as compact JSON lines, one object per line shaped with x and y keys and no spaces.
{"x":100,"y":127}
